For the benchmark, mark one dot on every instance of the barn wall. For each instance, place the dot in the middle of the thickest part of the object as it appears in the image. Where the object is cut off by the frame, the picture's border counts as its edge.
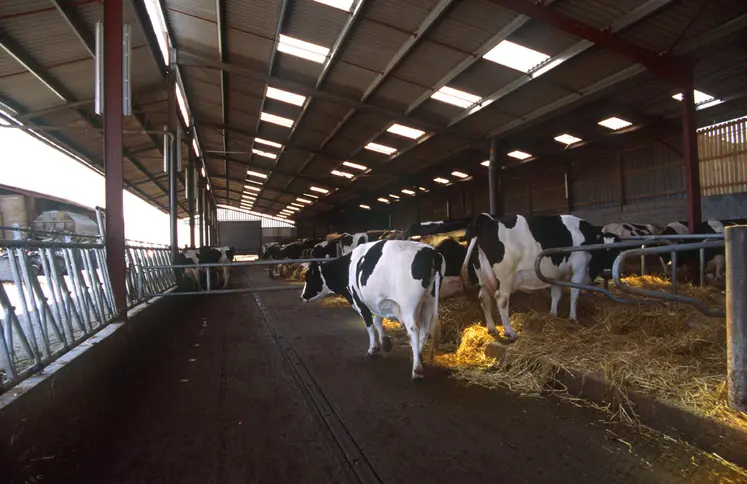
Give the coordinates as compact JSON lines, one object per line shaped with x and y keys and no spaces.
{"x":642,"y":183}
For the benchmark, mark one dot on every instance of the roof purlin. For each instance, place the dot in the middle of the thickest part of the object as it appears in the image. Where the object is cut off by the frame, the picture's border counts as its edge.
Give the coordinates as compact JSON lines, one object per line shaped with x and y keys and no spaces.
{"x":336,"y":49}
{"x":431,"y":19}
{"x":619,"y":24}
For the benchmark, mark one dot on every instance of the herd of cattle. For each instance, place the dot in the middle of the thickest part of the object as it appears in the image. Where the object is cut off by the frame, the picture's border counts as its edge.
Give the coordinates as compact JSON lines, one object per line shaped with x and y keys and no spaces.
{"x":402,"y":275}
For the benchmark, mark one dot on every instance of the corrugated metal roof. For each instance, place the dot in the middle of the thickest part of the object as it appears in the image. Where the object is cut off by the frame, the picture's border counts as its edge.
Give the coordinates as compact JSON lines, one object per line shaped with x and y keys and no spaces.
{"x":382,"y":28}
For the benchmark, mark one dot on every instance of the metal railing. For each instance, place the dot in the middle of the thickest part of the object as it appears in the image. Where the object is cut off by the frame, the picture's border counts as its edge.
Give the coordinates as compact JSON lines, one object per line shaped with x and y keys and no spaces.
{"x":674,"y":297}
{"x":54,"y":295}
{"x":640,"y":246}
{"x":146,"y":291}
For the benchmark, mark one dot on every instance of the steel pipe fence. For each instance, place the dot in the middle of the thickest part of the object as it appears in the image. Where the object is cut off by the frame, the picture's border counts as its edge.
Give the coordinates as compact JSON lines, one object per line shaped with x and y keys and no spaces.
{"x":54,"y":295}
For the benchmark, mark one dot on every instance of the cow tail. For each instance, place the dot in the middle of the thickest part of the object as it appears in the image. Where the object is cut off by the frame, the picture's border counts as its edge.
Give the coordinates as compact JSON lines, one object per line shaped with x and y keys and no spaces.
{"x":439,"y":267}
{"x":465,"y":265}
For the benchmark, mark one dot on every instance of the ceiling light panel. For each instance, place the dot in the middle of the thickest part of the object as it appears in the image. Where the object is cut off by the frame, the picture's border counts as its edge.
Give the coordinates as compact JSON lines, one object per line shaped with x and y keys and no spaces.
{"x":519,"y":155}
{"x":279,"y":120}
{"x":455,"y":97}
{"x":343,"y":174}
{"x":567,"y":139}
{"x":515,"y":56}
{"x":285,"y":96}
{"x":256,"y":173}
{"x":350,"y":164}
{"x":303,"y":49}
{"x":267,"y":142}
{"x":266,"y":154}
{"x":614,"y":123}
{"x":405,"y":131}
{"x":387,"y":150}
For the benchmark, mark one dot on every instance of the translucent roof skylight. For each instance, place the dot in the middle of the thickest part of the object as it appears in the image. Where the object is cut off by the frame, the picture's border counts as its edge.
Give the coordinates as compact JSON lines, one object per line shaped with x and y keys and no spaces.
{"x":302,"y":49}
{"x":422,"y":189}
{"x":407,"y":191}
{"x":271,"y":118}
{"x":442,"y":181}
{"x":256,"y":173}
{"x":182,"y":105}
{"x":285,"y":96}
{"x":485,"y":163}
{"x":387,"y":150}
{"x":202,"y":170}
{"x":196,"y":148}
{"x":459,"y":174}
{"x":303,"y":200}
{"x":350,"y":164}
{"x":153,"y":7}
{"x":249,"y":180}
{"x":567,"y":139}
{"x":396,"y":197}
{"x":614,"y":123}
{"x":296,"y":204}
{"x":702,"y":100}
{"x":266,"y":154}
{"x":342,"y":174}
{"x":515,"y":56}
{"x":252,"y":188}
{"x":520,"y":155}
{"x":383,"y":200}
{"x":310,"y":195}
{"x":364,"y":207}
{"x":267,"y":142}
{"x":317,"y":189}
{"x":295,"y":209}
{"x":405,"y":131}
{"x":455,"y":97}
{"x":341,"y":4}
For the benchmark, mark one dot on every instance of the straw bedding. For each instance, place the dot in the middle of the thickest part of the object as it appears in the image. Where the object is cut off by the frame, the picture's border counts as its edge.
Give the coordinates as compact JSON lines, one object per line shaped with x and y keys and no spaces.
{"x":673,"y":352}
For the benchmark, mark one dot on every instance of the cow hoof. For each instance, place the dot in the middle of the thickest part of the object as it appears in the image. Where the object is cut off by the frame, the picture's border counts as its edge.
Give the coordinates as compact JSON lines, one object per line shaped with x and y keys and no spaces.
{"x":417,"y":375}
{"x":386,"y":344}
{"x":492,"y":332}
{"x":372,"y":352}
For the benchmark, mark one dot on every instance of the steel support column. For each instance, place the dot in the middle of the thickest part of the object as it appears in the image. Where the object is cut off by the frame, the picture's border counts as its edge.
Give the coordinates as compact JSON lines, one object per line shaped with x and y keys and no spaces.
{"x":690,"y":152}
{"x":190,"y":193}
{"x":173,"y":188}
{"x":495,"y":176}
{"x":736,"y":316}
{"x":201,"y":208}
{"x":113,"y":151}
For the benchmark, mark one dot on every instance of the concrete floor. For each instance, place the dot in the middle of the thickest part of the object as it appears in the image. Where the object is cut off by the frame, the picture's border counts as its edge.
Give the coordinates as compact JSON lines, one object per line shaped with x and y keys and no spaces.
{"x":233,"y":393}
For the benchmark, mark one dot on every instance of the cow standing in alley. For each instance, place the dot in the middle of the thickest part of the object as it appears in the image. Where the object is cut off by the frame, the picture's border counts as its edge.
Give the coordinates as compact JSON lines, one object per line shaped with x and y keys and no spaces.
{"x":507,"y":248}
{"x":393,"y":279}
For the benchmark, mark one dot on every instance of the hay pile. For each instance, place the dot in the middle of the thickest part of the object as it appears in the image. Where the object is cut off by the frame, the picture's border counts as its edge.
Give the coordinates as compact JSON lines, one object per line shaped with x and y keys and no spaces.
{"x":673,"y":353}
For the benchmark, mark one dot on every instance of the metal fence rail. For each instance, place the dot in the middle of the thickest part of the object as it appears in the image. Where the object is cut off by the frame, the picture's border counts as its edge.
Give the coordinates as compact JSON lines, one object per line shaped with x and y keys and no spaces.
{"x":674,"y":248}
{"x":54,"y":295}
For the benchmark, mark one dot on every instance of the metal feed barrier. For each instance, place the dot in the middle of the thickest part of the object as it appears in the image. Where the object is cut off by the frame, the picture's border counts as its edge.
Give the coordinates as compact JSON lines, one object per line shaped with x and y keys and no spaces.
{"x":144,"y":290}
{"x":55,"y":295}
{"x":633,"y":244}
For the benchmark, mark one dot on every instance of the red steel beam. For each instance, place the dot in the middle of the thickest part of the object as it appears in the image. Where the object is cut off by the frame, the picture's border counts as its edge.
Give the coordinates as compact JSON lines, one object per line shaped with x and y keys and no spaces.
{"x":664,"y":66}
{"x":690,"y":152}
{"x":113,"y":151}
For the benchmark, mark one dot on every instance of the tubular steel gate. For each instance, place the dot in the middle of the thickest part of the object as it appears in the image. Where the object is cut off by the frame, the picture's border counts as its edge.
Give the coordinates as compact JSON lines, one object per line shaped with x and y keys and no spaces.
{"x":640,"y":246}
{"x":54,"y":295}
{"x":146,"y":291}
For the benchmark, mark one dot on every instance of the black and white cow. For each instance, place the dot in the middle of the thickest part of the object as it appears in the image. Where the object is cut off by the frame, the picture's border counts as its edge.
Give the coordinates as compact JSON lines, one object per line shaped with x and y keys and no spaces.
{"x":325,"y":249}
{"x":507,"y":248}
{"x":452,"y":246}
{"x":688,"y":262}
{"x":628,"y":229}
{"x":393,"y":279}
{"x":348,"y":242}
{"x":218,"y":255}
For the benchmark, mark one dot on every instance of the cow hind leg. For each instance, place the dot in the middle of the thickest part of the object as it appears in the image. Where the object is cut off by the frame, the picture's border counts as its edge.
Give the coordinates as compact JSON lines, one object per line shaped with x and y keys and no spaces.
{"x":487,"y":307}
{"x":502,"y":299}
{"x":373,"y":347}
{"x":578,"y":278}
{"x":410,"y":319}
{"x":557,"y":293}
{"x":386,"y":341}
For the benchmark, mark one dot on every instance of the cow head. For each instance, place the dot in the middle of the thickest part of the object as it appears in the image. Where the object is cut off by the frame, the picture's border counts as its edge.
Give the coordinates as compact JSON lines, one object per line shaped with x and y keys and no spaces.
{"x":315,"y":286}
{"x":603,"y":259}
{"x":474,"y":227}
